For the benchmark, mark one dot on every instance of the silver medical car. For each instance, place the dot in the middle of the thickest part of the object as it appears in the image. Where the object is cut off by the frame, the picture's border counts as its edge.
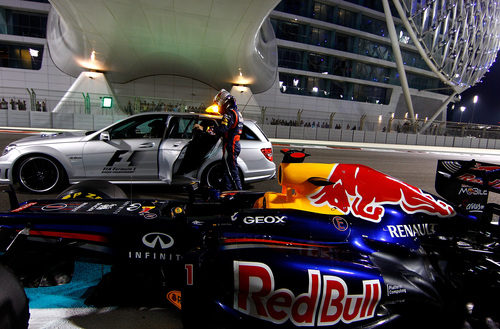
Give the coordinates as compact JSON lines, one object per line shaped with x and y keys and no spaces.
{"x":154,"y":147}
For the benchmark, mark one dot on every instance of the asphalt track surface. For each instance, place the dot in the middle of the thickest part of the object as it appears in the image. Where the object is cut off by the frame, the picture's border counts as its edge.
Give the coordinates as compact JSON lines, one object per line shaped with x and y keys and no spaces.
{"x":414,"y":165}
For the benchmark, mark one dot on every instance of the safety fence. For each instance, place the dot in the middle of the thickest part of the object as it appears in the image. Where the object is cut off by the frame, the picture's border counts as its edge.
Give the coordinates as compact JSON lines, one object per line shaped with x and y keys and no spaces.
{"x":78,"y":121}
{"x":34,"y":119}
{"x":88,"y":106}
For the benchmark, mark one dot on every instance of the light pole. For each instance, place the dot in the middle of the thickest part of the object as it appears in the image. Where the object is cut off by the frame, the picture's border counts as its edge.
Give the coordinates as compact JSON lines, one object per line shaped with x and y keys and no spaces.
{"x":474,"y":101}
{"x":462,"y":109}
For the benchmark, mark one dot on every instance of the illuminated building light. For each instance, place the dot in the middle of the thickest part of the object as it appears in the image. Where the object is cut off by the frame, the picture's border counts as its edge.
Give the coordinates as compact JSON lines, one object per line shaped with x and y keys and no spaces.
{"x":107,"y":102}
{"x":33,"y":52}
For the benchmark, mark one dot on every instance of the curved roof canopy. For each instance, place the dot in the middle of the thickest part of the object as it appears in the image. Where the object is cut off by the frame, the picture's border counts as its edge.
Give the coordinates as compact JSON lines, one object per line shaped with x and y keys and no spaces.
{"x":219,"y":42}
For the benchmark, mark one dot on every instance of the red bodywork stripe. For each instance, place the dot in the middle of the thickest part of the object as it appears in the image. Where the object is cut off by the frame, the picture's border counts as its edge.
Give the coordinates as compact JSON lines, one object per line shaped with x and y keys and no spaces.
{"x":77,"y":236}
{"x":287,"y":243}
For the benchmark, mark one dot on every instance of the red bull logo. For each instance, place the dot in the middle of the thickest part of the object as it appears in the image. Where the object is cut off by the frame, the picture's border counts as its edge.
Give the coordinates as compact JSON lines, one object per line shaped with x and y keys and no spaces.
{"x":470,"y":178}
{"x":326,"y":302}
{"x":363,"y":192}
{"x":485,"y":167}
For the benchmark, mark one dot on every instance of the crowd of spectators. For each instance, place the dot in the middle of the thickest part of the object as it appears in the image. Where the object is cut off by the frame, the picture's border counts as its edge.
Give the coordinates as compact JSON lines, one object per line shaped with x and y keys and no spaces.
{"x":293,"y":123}
{"x":405,"y":127}
{"x":308,"y":124}
{"x":152,"y":106}
{"x":21,"y":105}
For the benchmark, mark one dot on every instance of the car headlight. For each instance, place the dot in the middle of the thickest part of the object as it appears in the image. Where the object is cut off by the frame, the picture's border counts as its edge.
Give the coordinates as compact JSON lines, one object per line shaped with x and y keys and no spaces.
{"x":8,"y":148}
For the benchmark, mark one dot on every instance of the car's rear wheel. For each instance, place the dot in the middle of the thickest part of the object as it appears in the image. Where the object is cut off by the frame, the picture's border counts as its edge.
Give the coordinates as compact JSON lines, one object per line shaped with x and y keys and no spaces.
{"x":214,"y":176}
{"x":14,"y":310}
{"x":93,"y":189}
{"x":40,"y":174}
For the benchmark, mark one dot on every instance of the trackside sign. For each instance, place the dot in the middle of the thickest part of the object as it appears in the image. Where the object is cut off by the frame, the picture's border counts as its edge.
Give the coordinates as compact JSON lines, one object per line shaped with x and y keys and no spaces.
{"x":326,"y":302}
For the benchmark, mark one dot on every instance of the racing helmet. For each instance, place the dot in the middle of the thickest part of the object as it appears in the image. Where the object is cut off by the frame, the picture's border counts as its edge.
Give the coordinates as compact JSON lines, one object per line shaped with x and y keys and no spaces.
{"x":224,"y":99}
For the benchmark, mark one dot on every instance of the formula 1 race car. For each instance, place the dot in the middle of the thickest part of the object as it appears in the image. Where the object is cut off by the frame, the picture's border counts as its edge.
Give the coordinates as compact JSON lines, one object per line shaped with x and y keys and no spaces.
{"x":342,"y":245}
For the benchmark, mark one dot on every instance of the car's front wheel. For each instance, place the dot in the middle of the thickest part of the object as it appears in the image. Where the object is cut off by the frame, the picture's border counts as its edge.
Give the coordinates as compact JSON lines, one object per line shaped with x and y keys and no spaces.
{"x":14,"y":312}
{"x":40,"y":174}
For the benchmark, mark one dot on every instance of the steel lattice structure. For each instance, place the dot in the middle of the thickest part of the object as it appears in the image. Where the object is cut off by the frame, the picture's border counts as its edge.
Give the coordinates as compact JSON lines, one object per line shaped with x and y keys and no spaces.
{"x":459,"y":39}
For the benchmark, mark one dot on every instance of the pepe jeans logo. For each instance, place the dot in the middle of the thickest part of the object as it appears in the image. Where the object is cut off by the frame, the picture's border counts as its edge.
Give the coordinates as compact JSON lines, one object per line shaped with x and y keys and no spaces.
{"x":157,"y":239}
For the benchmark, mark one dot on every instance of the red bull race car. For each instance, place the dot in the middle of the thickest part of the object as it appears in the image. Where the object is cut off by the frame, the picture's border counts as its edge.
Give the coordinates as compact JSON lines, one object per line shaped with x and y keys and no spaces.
{"x":341,"y":246}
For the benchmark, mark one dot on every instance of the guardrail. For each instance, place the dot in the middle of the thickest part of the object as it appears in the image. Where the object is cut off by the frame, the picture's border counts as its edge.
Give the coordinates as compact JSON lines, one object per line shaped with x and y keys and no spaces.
{"x":35,"y":119}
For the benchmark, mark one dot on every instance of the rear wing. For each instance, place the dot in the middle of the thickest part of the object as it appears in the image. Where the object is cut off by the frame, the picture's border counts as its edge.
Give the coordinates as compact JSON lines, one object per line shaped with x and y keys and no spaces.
{"x":467,"y":184}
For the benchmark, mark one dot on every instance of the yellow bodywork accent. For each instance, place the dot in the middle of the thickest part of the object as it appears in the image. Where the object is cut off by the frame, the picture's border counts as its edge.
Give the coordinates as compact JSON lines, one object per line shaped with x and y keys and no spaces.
{"x":296,"y":190}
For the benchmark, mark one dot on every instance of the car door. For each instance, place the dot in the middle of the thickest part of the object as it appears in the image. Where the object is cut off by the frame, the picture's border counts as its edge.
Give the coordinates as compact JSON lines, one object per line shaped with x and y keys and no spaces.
{"x":179,"y":133}
{"x":130,"y":154}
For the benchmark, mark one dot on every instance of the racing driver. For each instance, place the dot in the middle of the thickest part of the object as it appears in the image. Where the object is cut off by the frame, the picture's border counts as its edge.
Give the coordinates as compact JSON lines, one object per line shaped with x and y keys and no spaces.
{"x":230,"y":129}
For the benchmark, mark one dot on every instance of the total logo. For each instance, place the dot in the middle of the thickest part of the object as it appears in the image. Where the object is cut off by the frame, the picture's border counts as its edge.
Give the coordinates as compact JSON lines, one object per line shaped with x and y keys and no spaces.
{"x":157,"y":239}
{"x":264,"y":219}
{"x":326,"y":302}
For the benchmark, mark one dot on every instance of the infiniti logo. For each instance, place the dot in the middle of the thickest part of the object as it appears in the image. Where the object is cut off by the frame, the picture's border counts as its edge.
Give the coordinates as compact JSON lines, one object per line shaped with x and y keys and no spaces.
{"x":154,"y":239}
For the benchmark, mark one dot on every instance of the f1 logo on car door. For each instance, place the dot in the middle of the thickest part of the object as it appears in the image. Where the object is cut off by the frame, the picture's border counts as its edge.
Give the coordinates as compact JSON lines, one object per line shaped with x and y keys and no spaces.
{"x":128,"y":150}
{"x":114,"y":164}
{"x":121,"y":159}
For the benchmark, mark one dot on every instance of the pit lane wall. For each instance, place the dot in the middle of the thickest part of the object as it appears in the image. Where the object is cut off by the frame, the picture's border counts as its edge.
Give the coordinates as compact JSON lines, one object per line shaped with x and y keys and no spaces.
{"x":51,"y":120}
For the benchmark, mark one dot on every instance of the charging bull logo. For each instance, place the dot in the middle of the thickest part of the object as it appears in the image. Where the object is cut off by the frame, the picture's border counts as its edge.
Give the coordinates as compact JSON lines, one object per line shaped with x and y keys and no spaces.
{"x":363,"y":192}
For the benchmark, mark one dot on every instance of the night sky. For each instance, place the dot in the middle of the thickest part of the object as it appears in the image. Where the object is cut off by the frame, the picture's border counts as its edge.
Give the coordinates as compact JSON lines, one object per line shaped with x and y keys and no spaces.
{"x":487,"y":109}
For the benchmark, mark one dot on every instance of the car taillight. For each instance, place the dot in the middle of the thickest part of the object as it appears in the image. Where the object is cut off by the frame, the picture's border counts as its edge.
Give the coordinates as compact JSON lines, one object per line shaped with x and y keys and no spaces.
{"x":268,"y":153}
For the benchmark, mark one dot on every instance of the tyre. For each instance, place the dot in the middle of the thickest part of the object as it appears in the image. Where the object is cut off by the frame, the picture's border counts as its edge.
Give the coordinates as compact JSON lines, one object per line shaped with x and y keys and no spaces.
{"x":92,"y":189}
{"x":14,"y":310}
{"x":40,"y":174}
{"x":214,"y":176}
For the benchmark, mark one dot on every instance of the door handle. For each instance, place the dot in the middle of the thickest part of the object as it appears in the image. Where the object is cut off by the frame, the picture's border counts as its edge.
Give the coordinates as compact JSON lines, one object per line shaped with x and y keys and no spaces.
{"x":146,"y":145}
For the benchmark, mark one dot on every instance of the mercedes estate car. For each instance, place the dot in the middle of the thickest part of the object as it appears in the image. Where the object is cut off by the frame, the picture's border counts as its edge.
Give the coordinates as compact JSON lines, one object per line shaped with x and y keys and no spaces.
{"x":157,"y":147}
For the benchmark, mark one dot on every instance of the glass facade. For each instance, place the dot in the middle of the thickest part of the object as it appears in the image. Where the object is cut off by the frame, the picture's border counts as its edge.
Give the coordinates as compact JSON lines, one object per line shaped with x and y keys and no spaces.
{"x":340,"y":16}
{"x":26,"y":24}
{"x":21,"y":56}
{"x":344,"y":15}
{"x":327,"y":88}
{"x":374,"y":4}
{"x":320,"y":63}
{"x":21,"y":23}
{"x":303,"y":33}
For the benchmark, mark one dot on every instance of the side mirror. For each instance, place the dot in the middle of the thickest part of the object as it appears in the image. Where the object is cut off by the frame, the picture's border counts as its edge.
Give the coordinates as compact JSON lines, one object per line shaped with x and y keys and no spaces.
{"x":104,"y":136}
